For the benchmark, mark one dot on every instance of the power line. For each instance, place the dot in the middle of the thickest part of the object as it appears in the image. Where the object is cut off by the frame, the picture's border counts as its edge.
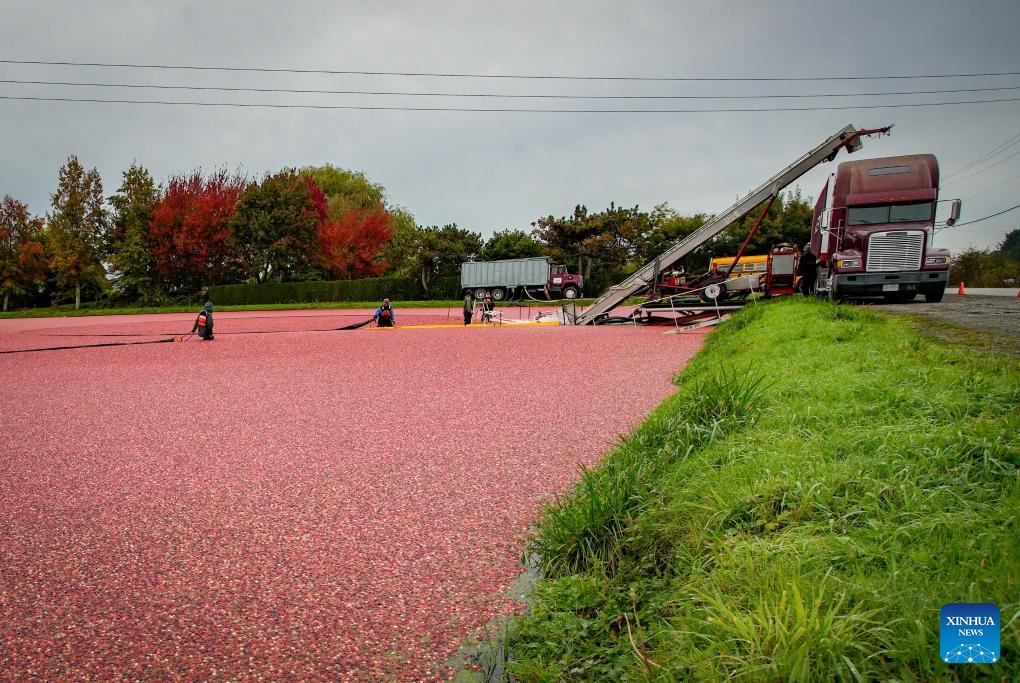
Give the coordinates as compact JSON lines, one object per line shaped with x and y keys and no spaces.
{"x":522,"y":110}
{"x":497,"y":95}
{"x":978,"y":220}
{"x":986,"y":168}
{"x":501,"y":76}
{"x":996,"y":187}
{"x":1002,"y":147}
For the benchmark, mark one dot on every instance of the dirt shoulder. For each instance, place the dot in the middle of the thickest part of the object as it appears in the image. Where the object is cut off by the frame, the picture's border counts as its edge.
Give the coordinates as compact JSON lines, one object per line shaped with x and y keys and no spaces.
{"x":986,"y":323}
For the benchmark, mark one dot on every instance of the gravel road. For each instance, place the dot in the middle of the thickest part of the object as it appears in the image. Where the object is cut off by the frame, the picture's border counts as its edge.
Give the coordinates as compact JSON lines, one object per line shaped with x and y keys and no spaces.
{"x":996,"y":318}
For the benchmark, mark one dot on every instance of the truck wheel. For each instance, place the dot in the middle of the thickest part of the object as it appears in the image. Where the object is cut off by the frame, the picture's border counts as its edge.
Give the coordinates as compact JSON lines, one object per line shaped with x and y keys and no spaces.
{"x":934,"y":297}
{"x":498,"y":294}
{"x":480,"y":294}
{"x":570,"y":293}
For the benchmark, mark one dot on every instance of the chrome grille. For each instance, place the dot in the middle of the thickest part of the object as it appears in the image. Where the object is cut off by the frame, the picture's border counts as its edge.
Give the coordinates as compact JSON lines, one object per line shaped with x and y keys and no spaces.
{"x":895,"y":250}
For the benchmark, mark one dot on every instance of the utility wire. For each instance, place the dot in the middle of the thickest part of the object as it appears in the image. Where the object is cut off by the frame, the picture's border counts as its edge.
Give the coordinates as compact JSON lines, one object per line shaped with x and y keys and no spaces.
{"x":979,"y":172}
{"x":978,"y":220}
{"x":497,"y":95}
{"x":504,"y":76}
{"x":500,"y":109}
{"x":996,"y":187}
{"x":1002,"y":147}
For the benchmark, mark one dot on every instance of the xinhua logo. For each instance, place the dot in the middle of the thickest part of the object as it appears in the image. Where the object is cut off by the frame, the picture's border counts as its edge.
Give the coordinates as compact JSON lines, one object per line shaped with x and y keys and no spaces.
{"x":969,"y":633}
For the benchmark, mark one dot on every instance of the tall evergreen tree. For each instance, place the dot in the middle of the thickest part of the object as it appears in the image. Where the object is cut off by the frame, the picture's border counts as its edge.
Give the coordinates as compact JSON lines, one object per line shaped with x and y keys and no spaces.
{"x":78,"y":228}
{"x":130,"y":256}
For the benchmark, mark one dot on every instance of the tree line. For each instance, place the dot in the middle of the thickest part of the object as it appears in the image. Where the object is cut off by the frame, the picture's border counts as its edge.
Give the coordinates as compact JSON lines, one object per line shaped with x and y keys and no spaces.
{"x":151,"y":244}
{"x":999,"y":267}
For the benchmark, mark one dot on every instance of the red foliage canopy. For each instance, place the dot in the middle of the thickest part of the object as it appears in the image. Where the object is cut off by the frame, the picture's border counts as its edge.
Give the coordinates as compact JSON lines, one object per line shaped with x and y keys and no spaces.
{"x":190,"y":230}
{"x":350,"y":246}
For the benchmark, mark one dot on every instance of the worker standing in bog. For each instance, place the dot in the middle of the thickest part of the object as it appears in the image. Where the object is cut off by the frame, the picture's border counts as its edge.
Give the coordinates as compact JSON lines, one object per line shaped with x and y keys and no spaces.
{"x":469,"y":308}
{"x":204,"y":323}
{"x":384,"y":315}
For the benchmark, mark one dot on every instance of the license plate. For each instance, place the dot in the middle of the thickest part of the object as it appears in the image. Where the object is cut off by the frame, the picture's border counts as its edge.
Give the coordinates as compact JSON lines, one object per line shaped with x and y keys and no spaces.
{"x":890,"y":288}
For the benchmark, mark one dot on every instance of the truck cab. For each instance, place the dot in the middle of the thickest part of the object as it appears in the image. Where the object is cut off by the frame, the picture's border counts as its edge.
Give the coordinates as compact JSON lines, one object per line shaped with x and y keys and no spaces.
{"x":872,"y":230}
{"x":562,"y":283}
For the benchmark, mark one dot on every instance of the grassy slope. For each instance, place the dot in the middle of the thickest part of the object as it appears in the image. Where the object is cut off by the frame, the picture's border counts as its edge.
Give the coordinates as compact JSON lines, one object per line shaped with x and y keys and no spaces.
{"x":822,"y":482}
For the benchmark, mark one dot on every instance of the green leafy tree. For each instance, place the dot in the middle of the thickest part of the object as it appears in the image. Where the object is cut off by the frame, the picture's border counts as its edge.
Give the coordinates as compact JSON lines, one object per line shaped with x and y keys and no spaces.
{"x":667,"y":227}
{"x":345,"y":189}
{"x":440,"y":251}
{"x":78,"y":228}
{"x":22,"y":256}
{"x":130,"y":256}
{"x":509,"y":244}
{"x":788,"y":220}
{"x":1010,"y":245}
{"x":602,"y":244}
{"x":276,"y":224}
{"x":400,"y":253}
{"x":984,"y":268}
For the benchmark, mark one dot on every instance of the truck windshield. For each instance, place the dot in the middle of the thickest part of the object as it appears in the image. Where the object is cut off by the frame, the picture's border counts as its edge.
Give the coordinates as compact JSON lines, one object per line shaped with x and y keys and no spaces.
{"x":889,"y":213}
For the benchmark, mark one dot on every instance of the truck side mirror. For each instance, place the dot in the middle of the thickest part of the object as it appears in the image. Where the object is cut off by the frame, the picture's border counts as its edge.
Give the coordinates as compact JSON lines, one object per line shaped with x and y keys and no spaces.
{"x":954,"y":212}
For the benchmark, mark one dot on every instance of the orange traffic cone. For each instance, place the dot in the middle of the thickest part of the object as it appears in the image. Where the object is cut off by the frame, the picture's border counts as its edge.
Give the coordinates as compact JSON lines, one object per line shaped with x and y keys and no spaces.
{"x":962,"y":289}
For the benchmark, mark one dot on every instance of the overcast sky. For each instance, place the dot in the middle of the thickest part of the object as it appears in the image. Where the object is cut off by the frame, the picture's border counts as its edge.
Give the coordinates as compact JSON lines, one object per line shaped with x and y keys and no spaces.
{"x":489,"y":171}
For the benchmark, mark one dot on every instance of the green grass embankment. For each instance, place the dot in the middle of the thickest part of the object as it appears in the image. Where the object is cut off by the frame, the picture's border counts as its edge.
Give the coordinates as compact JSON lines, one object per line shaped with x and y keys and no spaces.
{"x":821,"y":483}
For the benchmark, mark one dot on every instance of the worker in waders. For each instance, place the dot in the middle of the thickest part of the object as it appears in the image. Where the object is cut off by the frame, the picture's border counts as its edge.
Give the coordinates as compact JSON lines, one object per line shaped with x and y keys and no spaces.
{"x":384,"y":315}
{"x":469,"y":308}
{"x":204,"y":323}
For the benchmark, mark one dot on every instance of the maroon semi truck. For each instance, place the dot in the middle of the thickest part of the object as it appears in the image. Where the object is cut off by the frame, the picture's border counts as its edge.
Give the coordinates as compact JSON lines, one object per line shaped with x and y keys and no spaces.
{"x":873,"y":226}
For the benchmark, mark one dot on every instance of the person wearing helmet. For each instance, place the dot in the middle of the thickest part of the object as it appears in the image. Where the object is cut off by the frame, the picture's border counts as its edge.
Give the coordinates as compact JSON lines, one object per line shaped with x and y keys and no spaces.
{"x":384,"y":315}
{"x":204,"y":323}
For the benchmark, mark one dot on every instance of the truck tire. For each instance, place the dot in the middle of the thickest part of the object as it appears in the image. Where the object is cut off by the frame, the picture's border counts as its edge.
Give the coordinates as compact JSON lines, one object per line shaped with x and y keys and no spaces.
{"x":480,"y":294}
{"x":498,"y":294}
{"x":934,"y":297}
{"x":570,"y":293}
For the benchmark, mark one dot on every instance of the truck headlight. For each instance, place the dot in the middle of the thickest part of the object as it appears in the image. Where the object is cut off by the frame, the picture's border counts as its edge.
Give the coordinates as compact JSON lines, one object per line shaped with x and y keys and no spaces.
{"x":936,"y":260}
{"x":847,"y":263}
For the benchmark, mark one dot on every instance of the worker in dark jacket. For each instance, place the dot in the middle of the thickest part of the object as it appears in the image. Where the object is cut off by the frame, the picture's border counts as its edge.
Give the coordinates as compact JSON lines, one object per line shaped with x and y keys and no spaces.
{"x":807,"y":269}
{"x":384,"y":315}
{"x":204,"y":323}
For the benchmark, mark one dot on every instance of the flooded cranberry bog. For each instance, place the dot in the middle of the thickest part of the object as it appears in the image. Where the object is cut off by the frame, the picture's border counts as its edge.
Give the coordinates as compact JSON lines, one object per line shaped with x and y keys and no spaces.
{"x":289,"y":501}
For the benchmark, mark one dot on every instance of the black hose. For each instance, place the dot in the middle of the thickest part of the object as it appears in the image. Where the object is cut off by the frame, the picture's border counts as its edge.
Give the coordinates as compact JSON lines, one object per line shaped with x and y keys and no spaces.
{"x":351,"y":327}
{"x":89,"y":346}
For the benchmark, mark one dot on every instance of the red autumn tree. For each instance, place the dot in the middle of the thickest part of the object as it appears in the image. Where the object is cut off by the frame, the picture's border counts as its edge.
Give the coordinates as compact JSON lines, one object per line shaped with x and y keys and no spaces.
{"x":22,"y":259}
{"x":350,"y":247}
{"x":190,"y":232}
